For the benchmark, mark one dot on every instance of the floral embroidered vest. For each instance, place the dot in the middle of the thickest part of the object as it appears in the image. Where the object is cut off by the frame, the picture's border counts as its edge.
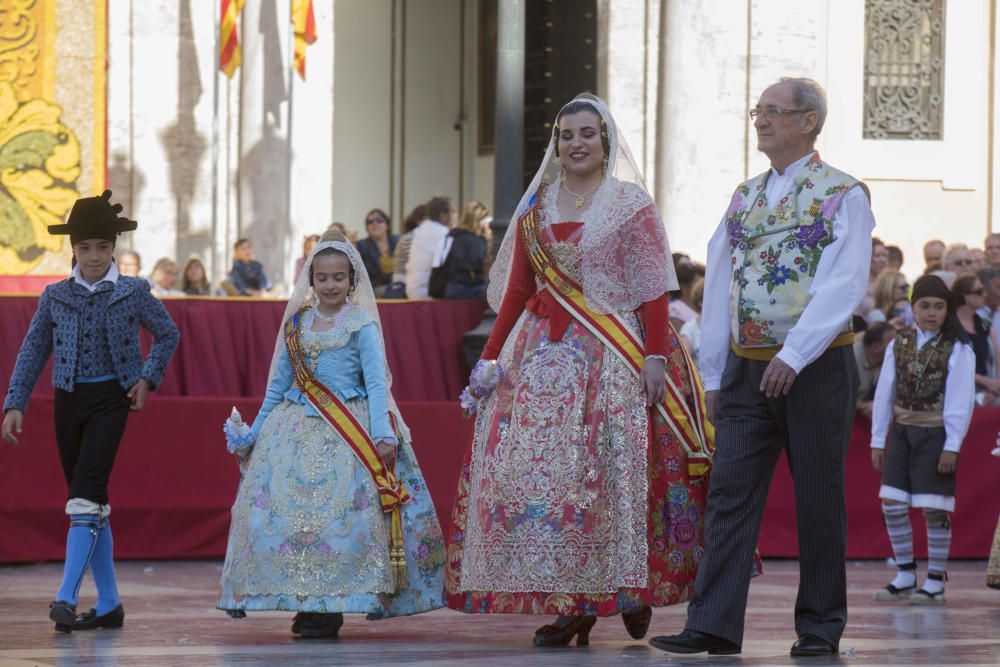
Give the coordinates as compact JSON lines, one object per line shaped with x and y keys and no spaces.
{"x":775,"y":250}
{"x":921,"y":374}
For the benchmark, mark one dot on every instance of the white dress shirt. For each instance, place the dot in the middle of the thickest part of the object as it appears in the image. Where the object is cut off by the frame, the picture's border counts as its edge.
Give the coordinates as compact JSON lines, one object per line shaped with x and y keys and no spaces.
{"x":427,"y":240}
{"x":959,"y":393}
{"x":111,"y":275}
{"x":839,"y":284}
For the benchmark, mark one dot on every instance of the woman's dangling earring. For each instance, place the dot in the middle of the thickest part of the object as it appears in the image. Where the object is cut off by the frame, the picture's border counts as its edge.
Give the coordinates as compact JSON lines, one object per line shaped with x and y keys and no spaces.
{"x":313,"y":299}
{"x":562,"y":171}
{"x":604,"y":167}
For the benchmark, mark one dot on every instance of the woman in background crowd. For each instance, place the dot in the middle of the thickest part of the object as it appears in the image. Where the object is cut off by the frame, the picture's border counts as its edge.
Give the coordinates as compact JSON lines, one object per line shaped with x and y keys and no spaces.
{"x":164,"y":278}
{"x":891,"y":300}
{"x":377,"y":249}
{"x":401,"y":257}
{"x":969,"y":297}
{"x":466,"y":255}
{"x":194,"y":281}
{"x":308,"y":243}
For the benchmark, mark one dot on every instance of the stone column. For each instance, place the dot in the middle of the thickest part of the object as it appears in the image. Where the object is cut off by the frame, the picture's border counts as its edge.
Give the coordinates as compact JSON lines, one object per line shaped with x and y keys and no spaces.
{"x":508,"y":162}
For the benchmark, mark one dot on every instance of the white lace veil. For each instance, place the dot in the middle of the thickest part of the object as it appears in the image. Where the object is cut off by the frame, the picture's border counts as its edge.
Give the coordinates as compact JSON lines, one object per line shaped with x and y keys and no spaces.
{"x":362,"y":298}
{"x":626,"y":256}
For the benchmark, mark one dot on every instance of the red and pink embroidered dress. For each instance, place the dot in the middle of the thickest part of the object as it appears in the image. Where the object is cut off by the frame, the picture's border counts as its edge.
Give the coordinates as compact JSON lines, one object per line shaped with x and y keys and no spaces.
{"x":575,"y":498}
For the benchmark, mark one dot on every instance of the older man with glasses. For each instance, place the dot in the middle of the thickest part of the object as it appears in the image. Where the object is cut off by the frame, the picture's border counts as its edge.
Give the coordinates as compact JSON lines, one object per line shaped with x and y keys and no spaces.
{"x":958,"y":260}
{"x":786,"y":267}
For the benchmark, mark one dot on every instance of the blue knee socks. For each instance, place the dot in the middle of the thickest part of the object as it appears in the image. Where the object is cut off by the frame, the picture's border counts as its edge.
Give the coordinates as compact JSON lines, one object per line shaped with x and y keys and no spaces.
{"x":102,"y":567}
{"x":80,"y":543}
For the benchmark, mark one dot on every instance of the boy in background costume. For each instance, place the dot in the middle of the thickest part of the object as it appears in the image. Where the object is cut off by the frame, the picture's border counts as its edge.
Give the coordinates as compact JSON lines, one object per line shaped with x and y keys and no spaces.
{"x":89,"y":323}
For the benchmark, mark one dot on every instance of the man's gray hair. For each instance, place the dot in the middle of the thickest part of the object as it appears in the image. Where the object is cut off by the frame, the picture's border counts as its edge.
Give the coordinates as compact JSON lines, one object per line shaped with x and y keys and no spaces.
{"x":809,"y":96}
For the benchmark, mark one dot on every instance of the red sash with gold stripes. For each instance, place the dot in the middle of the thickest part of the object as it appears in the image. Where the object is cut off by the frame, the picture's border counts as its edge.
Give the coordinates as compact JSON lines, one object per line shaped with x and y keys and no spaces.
{"x":689,"y":424}
{"x":392,"y":493}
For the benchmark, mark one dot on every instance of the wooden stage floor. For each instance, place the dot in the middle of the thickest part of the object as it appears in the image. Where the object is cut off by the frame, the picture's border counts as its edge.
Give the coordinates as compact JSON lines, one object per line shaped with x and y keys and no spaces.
{"x":171,"y":620}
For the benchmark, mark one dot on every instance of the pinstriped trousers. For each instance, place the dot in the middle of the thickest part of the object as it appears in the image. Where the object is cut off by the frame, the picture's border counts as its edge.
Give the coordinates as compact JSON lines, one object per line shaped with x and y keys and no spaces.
{"x":812,"y":425}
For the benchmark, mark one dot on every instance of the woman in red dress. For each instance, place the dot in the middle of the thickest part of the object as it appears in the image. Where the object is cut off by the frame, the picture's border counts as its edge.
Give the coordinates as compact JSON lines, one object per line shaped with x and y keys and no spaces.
{"x":583,"y":491}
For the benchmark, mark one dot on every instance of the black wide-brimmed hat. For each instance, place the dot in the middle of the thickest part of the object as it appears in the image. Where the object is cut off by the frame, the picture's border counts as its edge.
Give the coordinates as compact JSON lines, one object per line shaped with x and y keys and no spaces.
{"x":95,"y":217}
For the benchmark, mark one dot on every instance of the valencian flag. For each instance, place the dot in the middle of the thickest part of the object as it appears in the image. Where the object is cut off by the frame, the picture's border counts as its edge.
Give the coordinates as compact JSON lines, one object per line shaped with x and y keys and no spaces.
{"x":304,"y":25}
{"x":229,"y":39}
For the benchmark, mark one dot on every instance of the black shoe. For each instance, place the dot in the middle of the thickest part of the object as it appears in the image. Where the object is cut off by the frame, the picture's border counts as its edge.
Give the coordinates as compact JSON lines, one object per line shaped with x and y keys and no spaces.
{"x":64,"y":614}
{"x":562,"y":635}
{"x":692,"y":641}
{"x":91,"y":621}
{"x":637,"y":621}
{"x":321,"y":626}
{"x":811,"y":645}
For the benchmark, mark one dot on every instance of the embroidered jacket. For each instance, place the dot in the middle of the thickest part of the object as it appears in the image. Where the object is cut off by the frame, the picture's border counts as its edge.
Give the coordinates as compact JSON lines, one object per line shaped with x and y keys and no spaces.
{"x":93,"y":335}
{"x":776,"y":249}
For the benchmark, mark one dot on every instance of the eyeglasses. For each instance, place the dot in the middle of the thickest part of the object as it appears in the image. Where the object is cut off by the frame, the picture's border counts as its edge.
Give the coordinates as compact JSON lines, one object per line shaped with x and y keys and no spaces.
{"x":372,"y":221}
{"x":773,"y":112}
{"x":968,"y":261}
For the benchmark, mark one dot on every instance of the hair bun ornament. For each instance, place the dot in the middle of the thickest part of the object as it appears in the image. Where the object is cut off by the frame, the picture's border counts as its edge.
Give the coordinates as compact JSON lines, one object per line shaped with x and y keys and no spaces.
{"x":116,"y":208}
{"x":106,"y":195}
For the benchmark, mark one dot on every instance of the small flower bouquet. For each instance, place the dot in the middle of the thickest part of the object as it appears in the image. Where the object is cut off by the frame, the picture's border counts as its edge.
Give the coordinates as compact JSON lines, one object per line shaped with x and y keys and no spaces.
{"x":239,"y":441}
{"x":485,"y":377}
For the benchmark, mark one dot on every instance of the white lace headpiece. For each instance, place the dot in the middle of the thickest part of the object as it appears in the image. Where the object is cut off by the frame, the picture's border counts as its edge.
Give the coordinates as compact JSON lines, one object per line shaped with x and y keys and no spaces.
{"x":626,"y":256}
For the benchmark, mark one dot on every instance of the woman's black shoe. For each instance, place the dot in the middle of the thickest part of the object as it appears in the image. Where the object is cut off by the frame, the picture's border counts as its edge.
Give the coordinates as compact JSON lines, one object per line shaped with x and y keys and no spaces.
{"x":555,"y":635}
{"x":637,"y":621}
{"x":64,"y":614}
{"x":692,"y":641}
{"x":91,"y":621}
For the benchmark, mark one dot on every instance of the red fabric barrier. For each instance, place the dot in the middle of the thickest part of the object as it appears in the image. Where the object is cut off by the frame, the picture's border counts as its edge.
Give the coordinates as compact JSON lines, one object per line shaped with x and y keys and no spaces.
{"x":26,"y":284}
{"x":174,"y":484}
{"x":227,"y":344}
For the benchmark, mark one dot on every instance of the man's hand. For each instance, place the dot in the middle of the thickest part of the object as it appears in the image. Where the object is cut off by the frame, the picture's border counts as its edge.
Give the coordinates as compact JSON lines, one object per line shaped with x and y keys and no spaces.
{"x":388,"y":453}
{"x":778,"y":379}
{"x":867,"y":408}
{"x":137,"y":395}
{"x":12,"y":421}
{"x":654,"y":381}
{"x":711,"y":404}
{"x":878,"y":458}
{"x":946,"y":464}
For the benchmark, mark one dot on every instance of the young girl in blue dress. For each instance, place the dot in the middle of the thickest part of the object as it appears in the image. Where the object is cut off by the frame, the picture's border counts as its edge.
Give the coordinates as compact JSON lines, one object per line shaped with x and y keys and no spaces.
{"x":330,"y":520}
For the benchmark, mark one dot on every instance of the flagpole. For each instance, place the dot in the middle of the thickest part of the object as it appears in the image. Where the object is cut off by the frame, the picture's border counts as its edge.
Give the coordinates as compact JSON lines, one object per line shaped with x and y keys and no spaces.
{"x":216,"y":274}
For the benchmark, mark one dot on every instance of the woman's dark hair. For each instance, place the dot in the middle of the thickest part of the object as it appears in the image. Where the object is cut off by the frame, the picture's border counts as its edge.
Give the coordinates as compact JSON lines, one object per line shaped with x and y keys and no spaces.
{"x":202,"y":285}
{"x":574,"y":107}
{"x":333,"y":235}
{"x":380,"y":213}
{"x":415,"y":217}
{"x":962,"y":287}
{"x":438,"y":208}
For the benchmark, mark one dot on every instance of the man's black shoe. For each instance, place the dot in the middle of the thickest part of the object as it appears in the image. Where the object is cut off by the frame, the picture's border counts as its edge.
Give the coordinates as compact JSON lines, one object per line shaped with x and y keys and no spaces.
{"x":692,"y":641}
{"x":811,"y":645}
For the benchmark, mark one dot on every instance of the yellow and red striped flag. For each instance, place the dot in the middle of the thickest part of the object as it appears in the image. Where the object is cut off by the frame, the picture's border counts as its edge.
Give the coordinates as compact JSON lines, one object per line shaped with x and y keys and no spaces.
{"x":229,"y":39}
{"x":304,"y":25}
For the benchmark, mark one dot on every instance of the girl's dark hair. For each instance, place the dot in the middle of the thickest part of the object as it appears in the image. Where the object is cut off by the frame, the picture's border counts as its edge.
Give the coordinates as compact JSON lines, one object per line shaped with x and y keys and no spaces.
{"x":933,"y":286}
{"x":333,"y":235}
{"x":576,"y":106}
{"x":416,"y":216}
{"x":202,"y":284}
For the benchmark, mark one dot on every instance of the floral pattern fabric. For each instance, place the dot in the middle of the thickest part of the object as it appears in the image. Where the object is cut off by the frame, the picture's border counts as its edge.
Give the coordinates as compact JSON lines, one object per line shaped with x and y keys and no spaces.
{"x":308,"y":533}
{"x":993,"y":568}
{"x":775,"y":250}
{"x":573,"y":498}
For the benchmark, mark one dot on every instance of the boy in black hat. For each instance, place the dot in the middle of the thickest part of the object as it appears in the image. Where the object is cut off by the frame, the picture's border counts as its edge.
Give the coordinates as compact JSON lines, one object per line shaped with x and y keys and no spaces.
{"x":90,"y":324}
{"x":928,"y":382}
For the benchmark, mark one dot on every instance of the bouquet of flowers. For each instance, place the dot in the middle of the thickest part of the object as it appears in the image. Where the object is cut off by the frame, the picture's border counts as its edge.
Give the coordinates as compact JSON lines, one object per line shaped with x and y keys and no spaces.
{"x":239,"y":441}
{"x":485,"y":377}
